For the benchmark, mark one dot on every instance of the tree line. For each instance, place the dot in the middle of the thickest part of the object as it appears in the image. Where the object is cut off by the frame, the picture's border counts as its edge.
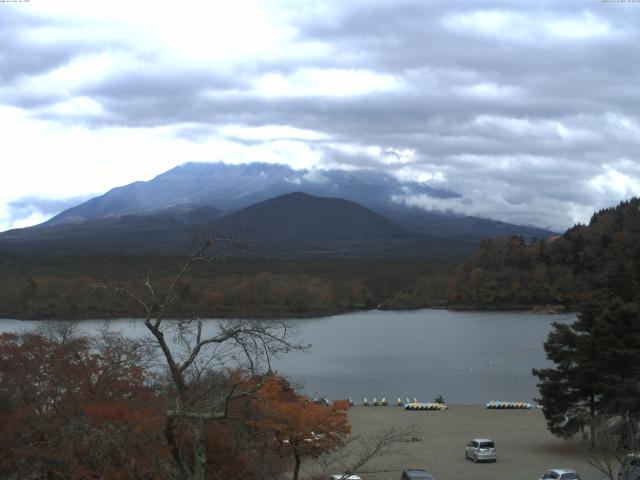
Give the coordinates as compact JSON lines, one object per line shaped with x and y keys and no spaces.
{"x":58,"y":287}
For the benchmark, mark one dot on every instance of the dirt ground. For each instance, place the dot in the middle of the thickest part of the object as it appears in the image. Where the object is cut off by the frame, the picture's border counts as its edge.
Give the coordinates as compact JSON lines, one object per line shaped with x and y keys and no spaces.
{"x":524,"y":447}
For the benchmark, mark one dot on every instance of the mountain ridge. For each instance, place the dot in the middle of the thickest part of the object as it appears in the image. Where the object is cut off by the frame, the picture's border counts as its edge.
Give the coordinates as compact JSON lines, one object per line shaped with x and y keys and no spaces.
{"x":230,"y":188}
{"x":294,"y":224}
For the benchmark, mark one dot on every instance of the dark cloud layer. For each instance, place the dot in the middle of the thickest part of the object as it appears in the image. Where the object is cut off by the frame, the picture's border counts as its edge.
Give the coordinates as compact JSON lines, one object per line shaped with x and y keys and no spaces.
{"x":529,"y":109}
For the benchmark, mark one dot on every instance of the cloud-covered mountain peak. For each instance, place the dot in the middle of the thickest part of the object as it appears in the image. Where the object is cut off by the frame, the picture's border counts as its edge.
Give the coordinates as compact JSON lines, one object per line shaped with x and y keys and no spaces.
{"x":231,"y":187}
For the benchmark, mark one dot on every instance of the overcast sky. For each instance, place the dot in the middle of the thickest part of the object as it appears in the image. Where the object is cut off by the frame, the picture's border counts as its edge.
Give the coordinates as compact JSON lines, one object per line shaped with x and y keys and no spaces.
{"x":529,"y":109}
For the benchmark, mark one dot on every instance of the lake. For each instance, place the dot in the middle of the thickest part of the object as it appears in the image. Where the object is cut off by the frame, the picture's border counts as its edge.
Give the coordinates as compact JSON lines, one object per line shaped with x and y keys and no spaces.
{"x":467,"y":357}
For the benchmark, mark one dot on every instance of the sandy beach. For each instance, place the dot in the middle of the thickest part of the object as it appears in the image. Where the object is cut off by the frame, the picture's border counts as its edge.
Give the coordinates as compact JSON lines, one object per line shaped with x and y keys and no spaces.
{"x":525,"y":448}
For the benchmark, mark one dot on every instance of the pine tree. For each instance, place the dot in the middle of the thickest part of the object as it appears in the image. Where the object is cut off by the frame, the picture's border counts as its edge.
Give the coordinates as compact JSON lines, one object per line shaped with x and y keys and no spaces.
{"x":597,"y":368}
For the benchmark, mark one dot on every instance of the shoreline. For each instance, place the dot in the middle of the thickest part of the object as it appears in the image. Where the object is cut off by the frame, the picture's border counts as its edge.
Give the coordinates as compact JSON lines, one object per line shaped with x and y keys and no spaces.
{"x":290,"y":315}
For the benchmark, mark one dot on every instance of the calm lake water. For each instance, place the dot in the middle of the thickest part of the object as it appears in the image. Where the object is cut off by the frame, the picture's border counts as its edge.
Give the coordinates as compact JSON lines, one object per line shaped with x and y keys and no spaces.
{"x":467,"y":357}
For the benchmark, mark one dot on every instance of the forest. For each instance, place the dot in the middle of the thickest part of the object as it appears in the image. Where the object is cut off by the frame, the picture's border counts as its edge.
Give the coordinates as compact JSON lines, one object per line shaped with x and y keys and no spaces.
{"x":564,"y":272}
{"x":68,"y":287}
{"x":551,"y":275}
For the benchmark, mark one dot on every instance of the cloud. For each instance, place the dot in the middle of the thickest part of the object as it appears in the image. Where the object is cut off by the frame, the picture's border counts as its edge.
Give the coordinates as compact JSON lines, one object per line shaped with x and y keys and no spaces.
{"x":526,"y":108}
{"x":530,"y":26}
{"x":331,"y":82}
{"x":30,"y":210}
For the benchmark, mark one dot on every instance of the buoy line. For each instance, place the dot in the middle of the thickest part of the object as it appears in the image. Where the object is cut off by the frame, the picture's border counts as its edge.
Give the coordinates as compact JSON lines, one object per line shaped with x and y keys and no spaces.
{"x":495,"y":361}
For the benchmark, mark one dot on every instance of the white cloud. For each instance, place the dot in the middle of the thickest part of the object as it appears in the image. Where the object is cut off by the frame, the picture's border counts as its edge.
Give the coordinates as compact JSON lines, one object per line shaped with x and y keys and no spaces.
{"x":271,"y":132}
{"x":612,"y":183}
{"x":489,"y":91}
{"x":489,"y":22}
{"x":331,"y":82}
{"x":33,"y":219}
{"x":424,"y":174}
{"x":192,"y":30}
{"x":531,"y":26}
{"x":586,"y":26}
{"x":78,"y":106}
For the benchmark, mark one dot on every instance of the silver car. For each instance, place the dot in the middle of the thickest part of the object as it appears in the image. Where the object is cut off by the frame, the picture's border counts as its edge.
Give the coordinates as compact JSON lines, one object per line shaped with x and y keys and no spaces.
{"x":630,"y":467}
{"x":560,"y":474}
{"x":480,"y":449}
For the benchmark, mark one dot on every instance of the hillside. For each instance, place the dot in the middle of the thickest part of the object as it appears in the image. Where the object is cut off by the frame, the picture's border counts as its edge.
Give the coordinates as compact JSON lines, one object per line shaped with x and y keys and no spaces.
{"x":562,"y":273}
{"x":302,"y":216}
{"x":293,"y":225}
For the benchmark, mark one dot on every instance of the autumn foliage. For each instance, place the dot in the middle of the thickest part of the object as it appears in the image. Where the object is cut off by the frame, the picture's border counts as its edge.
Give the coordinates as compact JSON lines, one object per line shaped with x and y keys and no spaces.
{"x":69,"y":409}
{"x":79,"y":408}
{"x":300,"y":426}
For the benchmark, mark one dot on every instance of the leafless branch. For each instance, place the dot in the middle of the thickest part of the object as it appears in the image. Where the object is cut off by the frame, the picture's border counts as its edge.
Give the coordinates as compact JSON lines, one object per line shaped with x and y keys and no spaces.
{"x":361,"y":451}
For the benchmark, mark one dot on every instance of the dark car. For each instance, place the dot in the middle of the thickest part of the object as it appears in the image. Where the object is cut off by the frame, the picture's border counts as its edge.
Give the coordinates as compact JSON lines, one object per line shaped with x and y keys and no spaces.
{"x":416,"y":474}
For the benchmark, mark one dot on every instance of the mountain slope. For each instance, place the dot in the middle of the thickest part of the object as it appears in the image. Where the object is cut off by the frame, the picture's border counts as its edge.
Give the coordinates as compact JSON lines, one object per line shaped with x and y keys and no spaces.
{"x":126,"y":234}
{"x":440,"y":224}
{"x":166,"y":232}
{"x":298,"y":215}
{"x":293,"y":224}
{"x":231,"y":187}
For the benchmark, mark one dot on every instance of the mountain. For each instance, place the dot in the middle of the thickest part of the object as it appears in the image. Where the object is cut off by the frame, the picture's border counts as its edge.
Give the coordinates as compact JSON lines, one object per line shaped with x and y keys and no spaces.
{"x":302,"y":216}
{"x":262,"y":202}
{"x":166,"y":232}
{"x":294,"y":224}
{"x":232,"y":187}
{"x":126,"y":234}
{"x":442,"y":224}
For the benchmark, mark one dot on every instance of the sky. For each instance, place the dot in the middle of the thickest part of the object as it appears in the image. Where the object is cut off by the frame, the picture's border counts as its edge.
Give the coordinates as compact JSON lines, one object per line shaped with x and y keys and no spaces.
{"x":528,"y":109}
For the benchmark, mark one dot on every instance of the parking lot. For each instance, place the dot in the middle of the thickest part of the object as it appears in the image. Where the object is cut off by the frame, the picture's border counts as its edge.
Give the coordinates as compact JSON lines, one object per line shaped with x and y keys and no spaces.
{"x":525,"y":448}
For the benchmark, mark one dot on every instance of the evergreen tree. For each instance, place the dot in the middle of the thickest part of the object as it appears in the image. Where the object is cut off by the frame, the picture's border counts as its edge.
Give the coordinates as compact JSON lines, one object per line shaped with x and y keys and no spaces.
{"x":597,"y":369}
{"x":571,"y":392}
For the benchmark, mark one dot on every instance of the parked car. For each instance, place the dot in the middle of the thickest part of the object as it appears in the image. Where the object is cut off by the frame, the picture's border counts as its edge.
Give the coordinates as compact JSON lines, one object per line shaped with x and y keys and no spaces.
{"x":480,"y":449}
{"x":415,"y":474}
{"x":341,"y":476}
{"x":560,"y":474}
{"x":630,"y":467}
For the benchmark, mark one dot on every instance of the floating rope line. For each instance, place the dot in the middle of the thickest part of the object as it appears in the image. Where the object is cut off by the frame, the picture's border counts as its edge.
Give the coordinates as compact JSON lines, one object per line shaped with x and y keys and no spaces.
{"x":495,"y":361}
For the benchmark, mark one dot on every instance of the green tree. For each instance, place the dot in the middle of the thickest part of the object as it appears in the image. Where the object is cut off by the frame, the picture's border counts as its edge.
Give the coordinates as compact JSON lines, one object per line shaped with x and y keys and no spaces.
{"x":597,"y":368}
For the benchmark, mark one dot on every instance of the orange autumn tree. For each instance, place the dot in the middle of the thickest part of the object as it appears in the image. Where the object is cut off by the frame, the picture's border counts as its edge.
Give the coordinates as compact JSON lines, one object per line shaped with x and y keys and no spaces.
{"x":76,"y":408}
{"x":301,"y":427}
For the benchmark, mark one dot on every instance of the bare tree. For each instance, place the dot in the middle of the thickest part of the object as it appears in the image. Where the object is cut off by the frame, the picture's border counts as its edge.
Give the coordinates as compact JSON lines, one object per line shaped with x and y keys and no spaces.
{"x":613,"y":440}
{"x":360,"y":451}
{"x":209,"y":363}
